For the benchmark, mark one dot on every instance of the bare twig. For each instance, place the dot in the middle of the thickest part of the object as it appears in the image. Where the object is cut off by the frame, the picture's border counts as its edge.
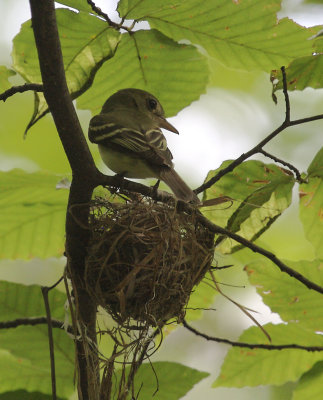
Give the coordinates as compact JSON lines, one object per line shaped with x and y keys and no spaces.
{"x":244,"y":309}
{"x":165,"y":197}
{"x":258,"y":148}
{"x":45,"y":291}
{"x":99,"y":12}
{"x":32,"y":321}
{"x":252,"y":345}
{"x":257,"y":249}
{"x":285,"y":163}
{"x":36,"y":87}
{"x":286,"y":96}
{"x":105,"y":16}
{"x":137,"y":363}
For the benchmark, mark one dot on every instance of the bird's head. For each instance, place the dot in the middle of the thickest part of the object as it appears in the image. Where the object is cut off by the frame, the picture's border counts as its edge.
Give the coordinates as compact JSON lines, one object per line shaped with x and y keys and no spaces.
{"x":144,"y":102}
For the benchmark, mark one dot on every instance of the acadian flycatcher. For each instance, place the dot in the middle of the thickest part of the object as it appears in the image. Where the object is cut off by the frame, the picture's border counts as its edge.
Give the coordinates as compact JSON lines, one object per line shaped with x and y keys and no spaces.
{"x":131,"y":143}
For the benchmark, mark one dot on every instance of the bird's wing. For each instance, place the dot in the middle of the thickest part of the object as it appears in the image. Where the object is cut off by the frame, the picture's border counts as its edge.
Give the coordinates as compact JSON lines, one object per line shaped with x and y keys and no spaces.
{"x":150,"y":145}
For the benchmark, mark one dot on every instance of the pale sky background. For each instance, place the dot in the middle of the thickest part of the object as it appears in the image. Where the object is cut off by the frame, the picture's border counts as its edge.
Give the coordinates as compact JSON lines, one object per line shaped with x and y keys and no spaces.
{"x":221,"y":125}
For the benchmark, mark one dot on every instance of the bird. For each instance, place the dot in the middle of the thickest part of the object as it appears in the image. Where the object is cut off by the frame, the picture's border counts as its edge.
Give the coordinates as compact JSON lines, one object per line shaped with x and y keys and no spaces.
{"x":131,"y":143}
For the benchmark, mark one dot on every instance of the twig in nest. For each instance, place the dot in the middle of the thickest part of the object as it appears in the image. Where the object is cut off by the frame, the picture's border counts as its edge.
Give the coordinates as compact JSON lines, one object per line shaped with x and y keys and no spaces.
{"x":244,"y":309}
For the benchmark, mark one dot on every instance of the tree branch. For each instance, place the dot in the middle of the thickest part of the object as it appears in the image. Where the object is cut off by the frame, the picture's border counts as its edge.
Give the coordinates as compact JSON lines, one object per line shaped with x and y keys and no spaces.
{"x":36,"y":87}
{"x":286,"y":164}
{"x":84,"y":180}
{"x":257,"y":249}
{"x":105,"y":16}
{"x":258,"y":148}
{"x":32,"y":322}
{"x":166,"y":197}
{"x":252,"y":345}
{"x":99,"y":12}
{"x":45,"y":291}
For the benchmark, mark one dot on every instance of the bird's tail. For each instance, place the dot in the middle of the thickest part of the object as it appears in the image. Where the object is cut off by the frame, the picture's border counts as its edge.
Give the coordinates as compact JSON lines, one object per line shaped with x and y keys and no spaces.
{"x":178,"y":186}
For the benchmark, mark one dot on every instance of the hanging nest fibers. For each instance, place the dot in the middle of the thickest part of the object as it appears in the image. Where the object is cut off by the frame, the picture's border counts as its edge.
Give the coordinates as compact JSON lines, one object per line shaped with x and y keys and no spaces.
{"x":144,"y":259}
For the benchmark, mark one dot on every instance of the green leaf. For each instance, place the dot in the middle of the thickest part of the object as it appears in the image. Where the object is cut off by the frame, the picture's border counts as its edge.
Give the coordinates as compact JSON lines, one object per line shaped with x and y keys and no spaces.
{"x":311,"y":204}
{"x":24,"y":353}
{"x":311,"y":212}
{"x":32,"y":215}
{"x":316,"y":167}
{"x":175,"y":73}
{"x":285,"y":295}
{"x":5,"y":73}
{"x":173,"y":380}
{"x":246,"y":367}
{"x":310,"y":384}
{"x":239,"y":34}
{"x":86,"y":42}
{"x":304,"y":71}
{"x":260,"y":193}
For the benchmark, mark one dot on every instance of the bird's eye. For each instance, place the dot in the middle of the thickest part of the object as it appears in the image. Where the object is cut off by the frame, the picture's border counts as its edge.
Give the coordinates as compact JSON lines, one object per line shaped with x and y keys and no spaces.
{"x":152,"y":104}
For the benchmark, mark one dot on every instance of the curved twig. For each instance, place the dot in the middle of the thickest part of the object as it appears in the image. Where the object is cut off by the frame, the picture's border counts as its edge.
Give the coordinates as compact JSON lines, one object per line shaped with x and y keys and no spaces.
{"x":36,"y":87}
{"x":257,"y":249}
{"x":251,"y":345}
{"x":258,"y":148}
{"x":285,"y":163}
{"x":105,"y":16}
{"x":32,"y":321}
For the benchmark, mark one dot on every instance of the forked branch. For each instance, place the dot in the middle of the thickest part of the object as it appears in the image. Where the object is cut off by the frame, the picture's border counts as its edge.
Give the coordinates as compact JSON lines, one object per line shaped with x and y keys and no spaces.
{"x":259,"y":147}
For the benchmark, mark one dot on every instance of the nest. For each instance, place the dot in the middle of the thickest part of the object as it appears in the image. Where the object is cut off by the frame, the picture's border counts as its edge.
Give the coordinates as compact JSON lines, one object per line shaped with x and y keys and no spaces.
{"x":144,"y":259}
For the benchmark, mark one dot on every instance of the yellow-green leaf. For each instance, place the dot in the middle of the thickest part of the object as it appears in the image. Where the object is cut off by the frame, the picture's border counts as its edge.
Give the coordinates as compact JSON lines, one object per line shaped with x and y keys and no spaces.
{"x":239,"y":34}
{"x":5,"y":73}
{"x":253,"y":367}
{"x":32,"y":215}
{"x":285,"y":295}
{"x":175,"y":73}
{"x":86,"y":42}
{"x":259,"y":192}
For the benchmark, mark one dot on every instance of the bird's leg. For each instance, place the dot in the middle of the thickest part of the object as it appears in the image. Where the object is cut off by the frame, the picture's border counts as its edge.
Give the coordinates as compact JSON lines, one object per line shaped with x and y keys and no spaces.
{"x":119,"y":178}
{"x":155,"y":188}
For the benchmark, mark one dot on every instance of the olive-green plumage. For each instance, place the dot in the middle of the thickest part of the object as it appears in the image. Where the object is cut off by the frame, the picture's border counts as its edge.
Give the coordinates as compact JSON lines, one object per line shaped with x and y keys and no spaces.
{"x":131,"y":143}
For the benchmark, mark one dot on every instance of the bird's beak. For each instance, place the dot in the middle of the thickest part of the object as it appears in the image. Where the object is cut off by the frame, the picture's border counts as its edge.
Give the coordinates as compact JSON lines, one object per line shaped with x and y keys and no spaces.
{"x":163,"y":123}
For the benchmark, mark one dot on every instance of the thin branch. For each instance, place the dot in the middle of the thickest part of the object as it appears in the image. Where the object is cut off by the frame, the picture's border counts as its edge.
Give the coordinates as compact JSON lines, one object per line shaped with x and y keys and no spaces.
{"x":252,"y":345}
{"x":257,"y":249}
{"x":131,"y":186}
{"x":45,"y":291}
{"x":240,"y":159}
{"x":285,"y":163}
{"x":36,"y":87}
{"x":247,"y":311}
{"x":136,"y":364}
{"x":166,"y":197}
{"x":305,"y":120}
{"x":286,"y":96}
{"x":32,"y":321}
{"x":258,"y":148}
{"x":105,"y":16}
